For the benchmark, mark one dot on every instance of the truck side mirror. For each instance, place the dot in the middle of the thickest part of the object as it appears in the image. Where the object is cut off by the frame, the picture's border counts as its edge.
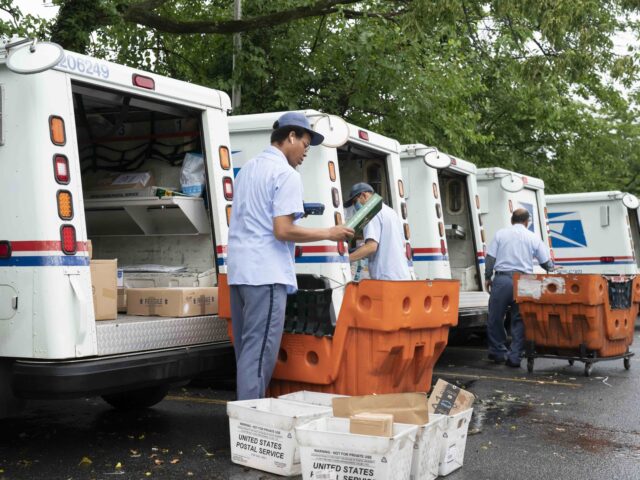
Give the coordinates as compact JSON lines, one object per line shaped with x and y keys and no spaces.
{"x":630,"y":201}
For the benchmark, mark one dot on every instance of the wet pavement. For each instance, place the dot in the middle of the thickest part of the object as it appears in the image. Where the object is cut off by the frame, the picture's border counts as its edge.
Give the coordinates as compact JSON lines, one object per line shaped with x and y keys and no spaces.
{"x":553,"y":423}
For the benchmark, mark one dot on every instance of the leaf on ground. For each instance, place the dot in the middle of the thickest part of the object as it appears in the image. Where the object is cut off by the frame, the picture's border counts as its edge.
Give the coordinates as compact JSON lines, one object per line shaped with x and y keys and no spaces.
{"x":560,"y":429}
{"x":85,"y":462}
{"x":118,"y":466}
{"x":174,"y":461}
{"x":157,"y":461}
{"x":134,"y":453}
{"x":141,"y":437}
{"x":147,"y":474}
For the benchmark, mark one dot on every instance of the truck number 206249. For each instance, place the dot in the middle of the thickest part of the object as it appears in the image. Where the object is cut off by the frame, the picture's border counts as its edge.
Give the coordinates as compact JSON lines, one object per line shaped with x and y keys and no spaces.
{"x":84,"y":65}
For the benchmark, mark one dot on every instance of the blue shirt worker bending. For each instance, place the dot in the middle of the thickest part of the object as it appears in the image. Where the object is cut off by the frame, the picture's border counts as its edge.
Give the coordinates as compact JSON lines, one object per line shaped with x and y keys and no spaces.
{"x":384,"y":239}
{"x":262,"y":237}
{"x":512,"y":250}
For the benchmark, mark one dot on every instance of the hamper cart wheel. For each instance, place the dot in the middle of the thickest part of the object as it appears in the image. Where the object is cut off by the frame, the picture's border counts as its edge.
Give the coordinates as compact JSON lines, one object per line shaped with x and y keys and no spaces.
{"x":571,"y":362}
{"x":530,"y":362}
{"x":587,"y":369}
{"x":627,"y":363}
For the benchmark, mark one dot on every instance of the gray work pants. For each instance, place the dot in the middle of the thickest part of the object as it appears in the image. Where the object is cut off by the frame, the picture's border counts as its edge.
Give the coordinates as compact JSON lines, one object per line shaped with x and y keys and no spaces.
{"x":500,"y":299}
{"x":257,"y":314}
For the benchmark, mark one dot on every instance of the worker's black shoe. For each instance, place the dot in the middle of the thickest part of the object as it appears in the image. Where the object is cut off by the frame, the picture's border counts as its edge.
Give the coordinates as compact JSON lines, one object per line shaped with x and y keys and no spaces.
{"x":511,"y":364}
{"x":496,"y":358}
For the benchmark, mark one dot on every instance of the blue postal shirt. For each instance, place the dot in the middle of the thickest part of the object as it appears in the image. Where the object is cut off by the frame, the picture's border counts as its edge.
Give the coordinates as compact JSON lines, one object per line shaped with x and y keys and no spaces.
{"x":389,"y":261}
{"x":265,"y":188}
{"x":514,"y":249}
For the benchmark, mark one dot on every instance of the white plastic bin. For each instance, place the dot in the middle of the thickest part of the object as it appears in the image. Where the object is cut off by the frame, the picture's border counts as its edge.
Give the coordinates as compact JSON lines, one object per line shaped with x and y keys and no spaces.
{"x":262,"y":433}
{"x":329,"y":452}
{"x":314,"y":398}
{"x":426,"y":451}
{"x":454,"y":441}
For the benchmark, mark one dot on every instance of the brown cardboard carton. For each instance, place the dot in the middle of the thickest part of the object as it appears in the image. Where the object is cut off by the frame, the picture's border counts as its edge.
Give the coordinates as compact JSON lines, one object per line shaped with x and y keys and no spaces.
{"x":172,"y":302}
{"x":405,"y":407}
{"x":103,"y":284}
{"x":122,"y":300}
{"x":447,"y":399}
{"x":366,"y":423}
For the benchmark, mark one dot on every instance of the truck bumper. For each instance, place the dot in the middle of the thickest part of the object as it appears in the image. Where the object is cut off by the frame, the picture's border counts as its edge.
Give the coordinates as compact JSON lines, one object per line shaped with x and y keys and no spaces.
{"x":32,"y":379}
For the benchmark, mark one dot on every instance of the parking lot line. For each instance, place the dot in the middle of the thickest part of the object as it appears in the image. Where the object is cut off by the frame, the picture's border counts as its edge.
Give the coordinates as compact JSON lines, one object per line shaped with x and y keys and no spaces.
{"x":507,"y":379}
{"x":179,"y":398}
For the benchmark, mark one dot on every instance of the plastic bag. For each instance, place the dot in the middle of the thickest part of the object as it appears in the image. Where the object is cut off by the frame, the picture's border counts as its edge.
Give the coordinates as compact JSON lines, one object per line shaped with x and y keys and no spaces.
{"x":192,"y":177}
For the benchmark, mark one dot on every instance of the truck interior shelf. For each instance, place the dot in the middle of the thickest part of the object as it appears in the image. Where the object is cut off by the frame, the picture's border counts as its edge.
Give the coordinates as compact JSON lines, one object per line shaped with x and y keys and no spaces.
{"x":146,"y":216}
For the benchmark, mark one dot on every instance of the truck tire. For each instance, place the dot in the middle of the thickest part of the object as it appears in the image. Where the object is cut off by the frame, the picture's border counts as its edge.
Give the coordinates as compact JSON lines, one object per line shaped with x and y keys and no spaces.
{"x":135,"y":399}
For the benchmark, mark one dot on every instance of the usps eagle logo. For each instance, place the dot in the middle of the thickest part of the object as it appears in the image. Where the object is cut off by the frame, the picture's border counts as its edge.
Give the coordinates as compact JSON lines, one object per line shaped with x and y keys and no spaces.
{"x":566,"y":230}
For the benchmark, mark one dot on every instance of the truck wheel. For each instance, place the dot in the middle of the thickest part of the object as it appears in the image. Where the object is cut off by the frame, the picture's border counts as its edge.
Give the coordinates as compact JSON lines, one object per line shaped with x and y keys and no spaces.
{"x":627,"y":363}
{"x":530,"y":362}
{"x":587,"y":369}
{"x":134,"y":399}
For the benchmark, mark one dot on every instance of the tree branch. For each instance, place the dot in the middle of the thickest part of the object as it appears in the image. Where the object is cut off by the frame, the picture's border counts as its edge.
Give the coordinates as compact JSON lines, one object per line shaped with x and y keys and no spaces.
{"x":142,"y":13}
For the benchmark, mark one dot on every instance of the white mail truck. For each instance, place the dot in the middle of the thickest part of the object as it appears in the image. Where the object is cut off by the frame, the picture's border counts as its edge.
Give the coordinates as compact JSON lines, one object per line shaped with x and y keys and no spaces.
{"x":448,"y":236}
{"x":595,"y":232}
{"x":76,"y":134}
{"x":501,"y":192}
{"x":348,"y":155}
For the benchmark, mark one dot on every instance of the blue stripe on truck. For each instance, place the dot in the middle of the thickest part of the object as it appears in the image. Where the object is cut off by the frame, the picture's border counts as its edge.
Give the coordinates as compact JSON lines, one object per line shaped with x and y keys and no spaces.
{"x":45,"y":261}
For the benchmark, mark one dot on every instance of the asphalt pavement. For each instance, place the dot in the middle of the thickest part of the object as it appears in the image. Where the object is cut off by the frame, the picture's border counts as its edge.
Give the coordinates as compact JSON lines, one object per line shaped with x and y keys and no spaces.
{"x":552,"y":424}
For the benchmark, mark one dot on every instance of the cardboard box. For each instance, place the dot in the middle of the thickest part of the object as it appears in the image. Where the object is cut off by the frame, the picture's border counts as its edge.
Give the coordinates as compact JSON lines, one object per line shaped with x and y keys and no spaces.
{"x":103,"y":283}
{"x":405,"y":407}
{"x":447,"y":399}
{"x":377,"y":424}
{"x":172,"y":302}
{"x":133,"y":184}
{"x":122,"y":300}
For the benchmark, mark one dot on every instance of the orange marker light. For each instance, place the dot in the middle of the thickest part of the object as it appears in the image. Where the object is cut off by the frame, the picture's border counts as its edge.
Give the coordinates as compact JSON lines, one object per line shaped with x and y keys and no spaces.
{"x":225,"y":158}
{"x":56,"y":130}
{"x":65,"y":205}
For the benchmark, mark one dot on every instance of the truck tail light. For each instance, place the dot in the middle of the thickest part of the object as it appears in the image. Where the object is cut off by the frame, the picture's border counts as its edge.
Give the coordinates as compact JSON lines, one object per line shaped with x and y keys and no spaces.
{"x":407,"y":232}
{"x":342,"y":249}
{"x":61,"y":169}
{"x":435,"y":190}
{"x":5,"y":249}
{"x":332,"y":171}
{"x":510,"y":206}
{"x":408,"y":251}
{"x":227,"y":211}
{"x":227,"y":188}
{"x":225,"y":158}
{"x":403,"y":209}
{"x":401,"y":188}
{"x":65,"y":205}
{"x":607,"y":259}
{"x":56,"y":130}
{"x":68,"y":239}
{"x":438,"y":210}
{"x":363,"y":135}
{"x":482,"y":236}
{"x":477,"y":202}
{"x":443,"y":247}
{"x":298,"y":251}
{"x":143,"y":82}
{"x":441,"y":229}
{"x":335,"y":197}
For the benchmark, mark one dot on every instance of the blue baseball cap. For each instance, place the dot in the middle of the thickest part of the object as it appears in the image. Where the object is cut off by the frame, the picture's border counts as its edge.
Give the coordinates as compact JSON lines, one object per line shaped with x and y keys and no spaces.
{"x":297,"y":119}
{"x":356,"y":190}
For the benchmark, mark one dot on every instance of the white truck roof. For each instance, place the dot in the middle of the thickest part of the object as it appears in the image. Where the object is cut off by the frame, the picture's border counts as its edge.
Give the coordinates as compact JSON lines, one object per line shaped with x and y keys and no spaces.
{"x":496,"y":172}
{"x":585,"y":197}
{"x":101,"y":72}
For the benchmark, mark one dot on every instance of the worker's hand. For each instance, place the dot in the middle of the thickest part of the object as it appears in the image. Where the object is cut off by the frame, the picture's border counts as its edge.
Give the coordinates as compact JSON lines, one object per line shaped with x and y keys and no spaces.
{"x":340,"y":233}
{"x":487,"y":284}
